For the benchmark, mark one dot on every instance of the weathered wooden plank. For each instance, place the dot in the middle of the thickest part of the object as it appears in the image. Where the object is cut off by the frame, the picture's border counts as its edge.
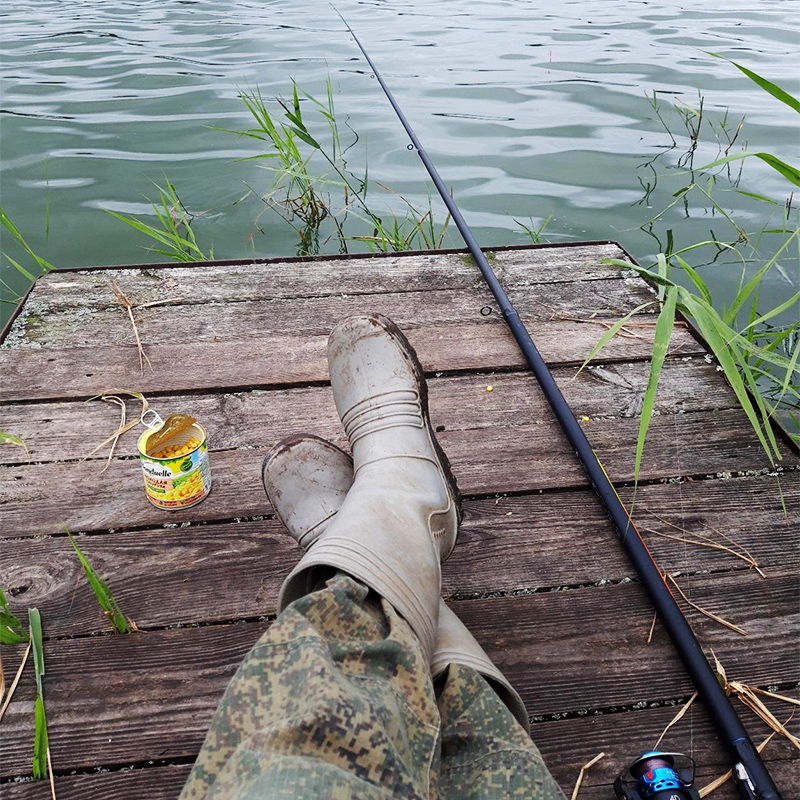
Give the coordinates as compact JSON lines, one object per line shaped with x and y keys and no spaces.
{"x":272,"y":360}
{"x":565,"y":538}
{"x":554,"y":646}
{"x":68,"y":430}
{"x":565,"y":745}
{"x":153,"y":783}
{"x":172,"y":576}
{"x":209,"y":321}
{"x":322,"y":277}
{"x":43,"y":498}
{"x":123,"y":699}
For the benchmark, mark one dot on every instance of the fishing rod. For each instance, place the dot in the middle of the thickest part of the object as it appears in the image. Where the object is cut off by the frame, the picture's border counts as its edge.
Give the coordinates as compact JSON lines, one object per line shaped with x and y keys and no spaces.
{"x":753,"y":778}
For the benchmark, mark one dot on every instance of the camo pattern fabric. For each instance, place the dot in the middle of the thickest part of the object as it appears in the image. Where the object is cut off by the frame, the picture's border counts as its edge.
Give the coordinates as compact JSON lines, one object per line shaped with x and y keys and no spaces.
{"x":485,"y":754}
{"x":336,"y":701}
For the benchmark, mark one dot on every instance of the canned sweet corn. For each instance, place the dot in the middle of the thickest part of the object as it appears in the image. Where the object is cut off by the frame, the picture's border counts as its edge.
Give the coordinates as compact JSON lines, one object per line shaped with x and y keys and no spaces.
{"x":177,"y":474}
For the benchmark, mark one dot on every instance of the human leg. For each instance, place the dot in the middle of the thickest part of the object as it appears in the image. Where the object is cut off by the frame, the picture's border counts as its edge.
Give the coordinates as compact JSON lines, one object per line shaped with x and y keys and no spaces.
{"x":292,"y":722}
{"x":307,"y":479}
{"x":486,"y":754}
{"x":334,"y":701}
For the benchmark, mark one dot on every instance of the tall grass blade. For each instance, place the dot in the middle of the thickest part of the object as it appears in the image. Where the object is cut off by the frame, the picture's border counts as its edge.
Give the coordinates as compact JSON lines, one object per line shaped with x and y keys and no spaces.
{"x":766,"y":414}
{"x":40,"y":735}
{"x":789,"y":172}
{"x":756,"y":196}
{"x":19,"y":268}
{"x":662,"y":268}
{"x":35,"y":629}
{"x":40,"y":741}
{"x":612,"y":332}
{"x":645,"y":273}
{"x":790,"y":370}
{"x":707,"y":320}
{"x":11,"y":629}
{"x":766,"y":85}
{"x":42,"y":264}
{"x":695,"y":279}
{"x":10,"y":438}
{"x":663,"y":334}
{"x":779,"y":309}
{"x":105,"y":598}
{"x":46,"y":203}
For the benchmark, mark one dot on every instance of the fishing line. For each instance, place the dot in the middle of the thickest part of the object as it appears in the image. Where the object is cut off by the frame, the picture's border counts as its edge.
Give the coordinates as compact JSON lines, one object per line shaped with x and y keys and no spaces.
{"x":754,"y":781}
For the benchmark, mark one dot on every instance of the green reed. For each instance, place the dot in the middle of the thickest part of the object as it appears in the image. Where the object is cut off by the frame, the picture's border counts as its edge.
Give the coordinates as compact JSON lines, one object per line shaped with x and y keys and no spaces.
{"x":36,"y":264}
{"x":758,"y":357}
{"x":174,"y":234}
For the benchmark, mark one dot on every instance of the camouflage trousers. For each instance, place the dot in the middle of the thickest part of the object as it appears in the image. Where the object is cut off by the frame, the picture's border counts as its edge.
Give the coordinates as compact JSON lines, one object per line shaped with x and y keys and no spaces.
{"x":336,"y":702}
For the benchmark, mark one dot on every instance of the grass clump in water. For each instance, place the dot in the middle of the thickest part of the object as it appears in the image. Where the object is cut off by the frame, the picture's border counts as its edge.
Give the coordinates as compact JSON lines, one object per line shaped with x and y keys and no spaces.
{"x":174,"y":235}
{"x":314,"y":190}
{"x":758,"y":356}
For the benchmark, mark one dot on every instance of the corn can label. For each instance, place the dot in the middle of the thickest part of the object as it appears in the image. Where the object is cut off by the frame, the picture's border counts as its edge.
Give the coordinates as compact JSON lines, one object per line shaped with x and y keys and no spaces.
{"x":179,"y":479}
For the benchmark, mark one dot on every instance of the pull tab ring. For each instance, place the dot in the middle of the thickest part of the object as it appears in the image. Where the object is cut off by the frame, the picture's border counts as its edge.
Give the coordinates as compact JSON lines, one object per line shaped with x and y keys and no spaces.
{"x":154,"y":422}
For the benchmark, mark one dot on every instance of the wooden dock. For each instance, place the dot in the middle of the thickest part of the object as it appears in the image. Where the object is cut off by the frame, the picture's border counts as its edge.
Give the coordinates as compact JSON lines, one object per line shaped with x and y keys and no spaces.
{"x":538,"y":574}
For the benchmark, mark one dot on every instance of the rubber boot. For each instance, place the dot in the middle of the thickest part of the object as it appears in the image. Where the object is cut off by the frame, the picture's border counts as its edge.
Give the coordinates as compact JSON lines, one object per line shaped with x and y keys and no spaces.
{"x":306,"y":479}
{"x":400,"y":517}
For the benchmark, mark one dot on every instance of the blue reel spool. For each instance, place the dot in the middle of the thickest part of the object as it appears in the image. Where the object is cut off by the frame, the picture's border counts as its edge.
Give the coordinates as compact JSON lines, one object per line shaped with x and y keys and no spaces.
{"x":655,"y":776}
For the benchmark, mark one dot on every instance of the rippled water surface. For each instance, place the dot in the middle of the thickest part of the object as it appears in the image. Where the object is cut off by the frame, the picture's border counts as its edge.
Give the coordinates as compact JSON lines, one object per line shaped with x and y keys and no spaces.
{"x":528,"y":108}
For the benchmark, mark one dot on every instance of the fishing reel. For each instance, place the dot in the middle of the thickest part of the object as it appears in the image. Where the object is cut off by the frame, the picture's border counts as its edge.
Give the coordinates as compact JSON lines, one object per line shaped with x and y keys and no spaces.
{"x":658,"y":776}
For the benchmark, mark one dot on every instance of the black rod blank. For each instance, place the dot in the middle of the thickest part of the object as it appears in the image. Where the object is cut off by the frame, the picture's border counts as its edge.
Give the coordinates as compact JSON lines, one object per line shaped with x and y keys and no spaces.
{"x":754,"y":780}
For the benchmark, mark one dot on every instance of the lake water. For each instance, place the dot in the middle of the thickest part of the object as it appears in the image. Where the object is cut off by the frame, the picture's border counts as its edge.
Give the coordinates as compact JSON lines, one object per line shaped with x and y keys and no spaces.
{"x":529,"y":109}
